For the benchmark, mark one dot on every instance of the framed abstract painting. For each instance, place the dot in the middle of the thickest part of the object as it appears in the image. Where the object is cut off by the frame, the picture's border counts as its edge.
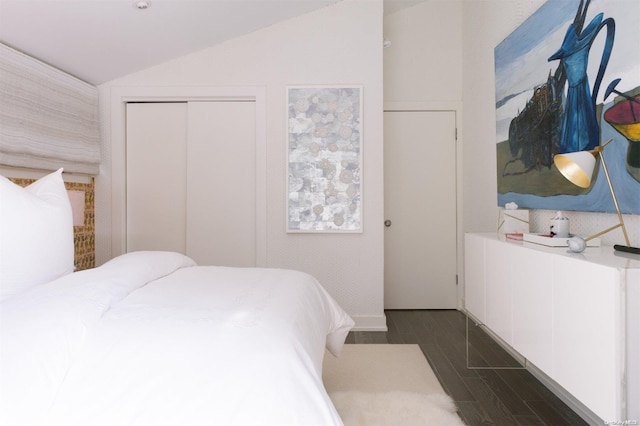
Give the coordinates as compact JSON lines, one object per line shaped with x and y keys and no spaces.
{"x":324,"y":159}
{"x":568,"y":80}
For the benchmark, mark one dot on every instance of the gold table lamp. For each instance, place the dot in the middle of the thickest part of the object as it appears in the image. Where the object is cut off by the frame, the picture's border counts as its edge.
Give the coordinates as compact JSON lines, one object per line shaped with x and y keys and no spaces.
{"x":578,"y":168}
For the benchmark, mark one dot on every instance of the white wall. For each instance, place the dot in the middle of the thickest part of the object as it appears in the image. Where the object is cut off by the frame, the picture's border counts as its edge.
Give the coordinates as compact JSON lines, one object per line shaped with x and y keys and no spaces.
{"x":339,"y":44}
{"x":485,"y":24}
{"x":424,"y":61}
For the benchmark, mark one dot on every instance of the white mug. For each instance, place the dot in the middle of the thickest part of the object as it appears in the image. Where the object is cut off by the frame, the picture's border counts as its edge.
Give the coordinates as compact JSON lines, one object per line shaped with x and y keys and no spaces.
{"x":560,"y":226}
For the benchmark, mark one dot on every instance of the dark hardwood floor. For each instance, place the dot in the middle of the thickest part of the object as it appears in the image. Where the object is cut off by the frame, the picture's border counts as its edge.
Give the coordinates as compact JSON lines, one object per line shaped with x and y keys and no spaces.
{"x":484,"y":396}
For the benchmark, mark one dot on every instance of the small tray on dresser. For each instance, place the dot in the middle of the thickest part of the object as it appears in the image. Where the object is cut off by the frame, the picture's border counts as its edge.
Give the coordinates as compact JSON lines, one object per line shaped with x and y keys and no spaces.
{"x":548,"y":240}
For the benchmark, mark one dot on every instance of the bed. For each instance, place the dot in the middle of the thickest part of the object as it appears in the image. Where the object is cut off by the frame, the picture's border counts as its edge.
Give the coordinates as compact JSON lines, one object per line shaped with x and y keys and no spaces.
{"x":150,"y":338}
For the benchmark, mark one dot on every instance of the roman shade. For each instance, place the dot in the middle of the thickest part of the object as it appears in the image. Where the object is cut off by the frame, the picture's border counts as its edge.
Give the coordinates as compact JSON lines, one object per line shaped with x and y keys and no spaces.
{"x":48,"y":118}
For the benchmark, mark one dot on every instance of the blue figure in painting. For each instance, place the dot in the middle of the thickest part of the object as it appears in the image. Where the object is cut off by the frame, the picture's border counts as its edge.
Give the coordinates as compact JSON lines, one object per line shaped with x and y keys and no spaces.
{"x":580,"y":130}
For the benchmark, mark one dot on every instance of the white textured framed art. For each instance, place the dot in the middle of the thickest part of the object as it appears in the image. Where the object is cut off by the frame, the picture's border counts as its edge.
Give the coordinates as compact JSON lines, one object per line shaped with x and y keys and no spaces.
{"x":324,"y":159}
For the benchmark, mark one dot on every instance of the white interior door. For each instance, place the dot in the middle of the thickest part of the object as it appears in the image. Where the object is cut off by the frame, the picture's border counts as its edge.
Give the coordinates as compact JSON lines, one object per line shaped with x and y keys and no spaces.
{"x":420,"y":210}
{"x":156,"y":152}
{"x":221,"y":183}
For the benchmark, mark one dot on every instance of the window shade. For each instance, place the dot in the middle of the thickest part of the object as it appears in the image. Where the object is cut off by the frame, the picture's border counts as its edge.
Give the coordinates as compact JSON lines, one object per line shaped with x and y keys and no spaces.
{"x":48,"y":118}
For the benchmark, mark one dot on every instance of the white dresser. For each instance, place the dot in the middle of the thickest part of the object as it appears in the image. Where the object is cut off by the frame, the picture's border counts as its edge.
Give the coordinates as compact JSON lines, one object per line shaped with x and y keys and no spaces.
{"x":574,"y":316}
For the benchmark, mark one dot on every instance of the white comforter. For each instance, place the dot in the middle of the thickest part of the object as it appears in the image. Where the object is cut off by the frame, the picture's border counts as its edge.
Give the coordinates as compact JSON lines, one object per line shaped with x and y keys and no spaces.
{"x":151,"y":339}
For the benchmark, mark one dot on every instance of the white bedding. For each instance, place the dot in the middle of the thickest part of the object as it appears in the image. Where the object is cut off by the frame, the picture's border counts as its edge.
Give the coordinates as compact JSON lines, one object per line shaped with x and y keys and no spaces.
{"x":151,"y":339}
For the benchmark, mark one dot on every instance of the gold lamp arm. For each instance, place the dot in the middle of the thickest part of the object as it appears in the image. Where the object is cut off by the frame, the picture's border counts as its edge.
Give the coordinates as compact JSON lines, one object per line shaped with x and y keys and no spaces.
{"x":615,"y":200}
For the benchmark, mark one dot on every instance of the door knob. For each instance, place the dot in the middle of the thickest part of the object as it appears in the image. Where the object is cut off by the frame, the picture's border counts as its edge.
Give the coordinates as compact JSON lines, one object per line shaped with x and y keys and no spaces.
{"x":387,"y":223}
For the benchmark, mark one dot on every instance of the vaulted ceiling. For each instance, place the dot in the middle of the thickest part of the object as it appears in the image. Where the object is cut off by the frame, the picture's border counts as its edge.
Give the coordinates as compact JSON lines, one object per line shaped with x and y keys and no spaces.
{"x":100,"y":40}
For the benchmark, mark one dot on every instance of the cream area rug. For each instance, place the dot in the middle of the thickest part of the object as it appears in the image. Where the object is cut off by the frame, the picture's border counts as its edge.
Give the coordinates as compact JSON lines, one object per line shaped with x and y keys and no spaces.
{"x":386,"y":385}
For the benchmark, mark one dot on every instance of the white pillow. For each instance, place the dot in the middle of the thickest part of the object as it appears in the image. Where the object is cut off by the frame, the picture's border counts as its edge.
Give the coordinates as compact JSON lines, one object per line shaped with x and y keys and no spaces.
{"x":36,"y":233}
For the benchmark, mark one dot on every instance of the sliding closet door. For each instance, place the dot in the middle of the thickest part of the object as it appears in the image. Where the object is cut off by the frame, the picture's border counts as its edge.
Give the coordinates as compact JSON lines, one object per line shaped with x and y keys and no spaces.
{"x":156,"y":176}
{"x":221,"y":183}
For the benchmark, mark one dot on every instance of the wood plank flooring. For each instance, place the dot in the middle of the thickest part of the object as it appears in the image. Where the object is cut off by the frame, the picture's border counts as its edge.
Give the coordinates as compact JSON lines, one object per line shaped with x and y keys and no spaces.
{"x":486,"y":396}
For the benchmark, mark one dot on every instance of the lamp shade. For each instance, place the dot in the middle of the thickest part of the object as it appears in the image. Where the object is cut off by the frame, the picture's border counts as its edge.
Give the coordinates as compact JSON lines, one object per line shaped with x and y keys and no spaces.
{"x":577,"y":167}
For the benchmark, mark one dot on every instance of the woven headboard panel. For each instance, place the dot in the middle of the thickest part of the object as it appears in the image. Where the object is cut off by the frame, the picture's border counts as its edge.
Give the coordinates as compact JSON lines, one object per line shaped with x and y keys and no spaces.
{"x":84,"y":236}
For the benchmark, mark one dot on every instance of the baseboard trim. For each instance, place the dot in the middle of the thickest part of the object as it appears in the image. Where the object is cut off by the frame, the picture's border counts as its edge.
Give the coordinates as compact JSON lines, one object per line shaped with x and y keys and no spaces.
{"x":370,"y":323}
